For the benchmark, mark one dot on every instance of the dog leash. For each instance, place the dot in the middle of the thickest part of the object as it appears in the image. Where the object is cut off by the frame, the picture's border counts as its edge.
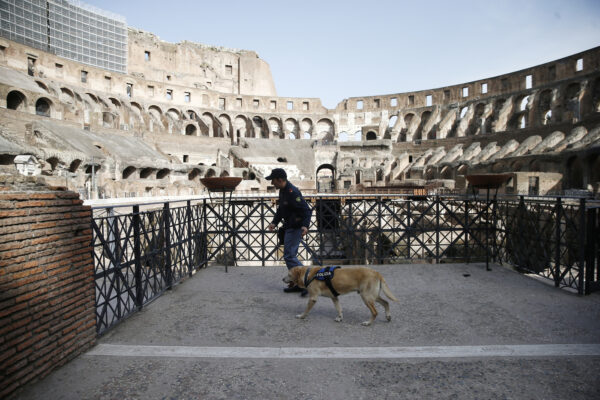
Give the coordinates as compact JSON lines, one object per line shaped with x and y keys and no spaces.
{"x":316,"y":258}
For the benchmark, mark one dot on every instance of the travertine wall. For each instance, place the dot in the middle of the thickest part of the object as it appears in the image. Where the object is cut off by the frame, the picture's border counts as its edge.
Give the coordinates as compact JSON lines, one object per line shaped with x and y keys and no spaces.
{"x":47,"y":309}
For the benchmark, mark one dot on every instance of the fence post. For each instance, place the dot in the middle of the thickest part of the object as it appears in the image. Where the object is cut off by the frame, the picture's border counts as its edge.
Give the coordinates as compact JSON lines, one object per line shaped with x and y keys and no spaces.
{"x":204,"y":228}
{"x":557,"y":244}
{"x":262,"y":230}
{"x":408,"y":228}
{"x":190,"y":237}
{"x":379,"y":233}
{"x":137,"y":252}
{"x":467,"y":254}
{"x":590,"y":259}
{"x":582,"y":239}
{"x":167,"y":236}
{"x":437,"y":229}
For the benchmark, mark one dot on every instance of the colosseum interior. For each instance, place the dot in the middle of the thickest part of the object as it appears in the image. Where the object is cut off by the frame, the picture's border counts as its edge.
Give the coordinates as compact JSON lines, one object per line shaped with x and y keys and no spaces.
{"x":186,"y":111}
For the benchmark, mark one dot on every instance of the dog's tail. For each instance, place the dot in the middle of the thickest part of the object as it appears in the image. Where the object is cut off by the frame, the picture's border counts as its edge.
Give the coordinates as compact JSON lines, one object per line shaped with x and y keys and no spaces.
{"x":386,"y":289}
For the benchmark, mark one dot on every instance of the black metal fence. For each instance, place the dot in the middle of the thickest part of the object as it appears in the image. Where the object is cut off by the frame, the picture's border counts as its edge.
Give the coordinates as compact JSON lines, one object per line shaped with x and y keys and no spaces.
{"x":140,"y":254}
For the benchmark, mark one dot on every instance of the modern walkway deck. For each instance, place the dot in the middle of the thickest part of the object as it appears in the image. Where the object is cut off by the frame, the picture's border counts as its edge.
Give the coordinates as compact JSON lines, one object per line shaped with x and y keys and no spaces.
{"x":458,"y":332}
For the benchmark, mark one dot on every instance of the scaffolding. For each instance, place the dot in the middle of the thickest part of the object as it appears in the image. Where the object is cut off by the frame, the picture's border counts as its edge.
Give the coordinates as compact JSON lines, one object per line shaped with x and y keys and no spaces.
{"x":69,"y":29}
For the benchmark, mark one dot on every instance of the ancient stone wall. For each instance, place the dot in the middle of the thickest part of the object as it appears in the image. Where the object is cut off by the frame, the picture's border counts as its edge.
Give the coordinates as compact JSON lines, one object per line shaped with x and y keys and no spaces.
{"x":47,"y":309}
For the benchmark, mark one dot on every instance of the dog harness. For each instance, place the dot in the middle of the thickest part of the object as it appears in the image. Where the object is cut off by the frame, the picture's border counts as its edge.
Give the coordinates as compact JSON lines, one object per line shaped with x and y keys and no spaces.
{"x":325,"y":274}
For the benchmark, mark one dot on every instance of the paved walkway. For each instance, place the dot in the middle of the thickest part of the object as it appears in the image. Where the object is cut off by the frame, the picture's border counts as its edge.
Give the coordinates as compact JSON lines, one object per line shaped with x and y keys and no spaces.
{"x":458,"y":332}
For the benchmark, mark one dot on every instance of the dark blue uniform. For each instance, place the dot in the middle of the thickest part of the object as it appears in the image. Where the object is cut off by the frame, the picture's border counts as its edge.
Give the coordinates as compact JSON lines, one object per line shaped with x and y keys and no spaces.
{"x":292,"y":208}
{"x":295,"y":214}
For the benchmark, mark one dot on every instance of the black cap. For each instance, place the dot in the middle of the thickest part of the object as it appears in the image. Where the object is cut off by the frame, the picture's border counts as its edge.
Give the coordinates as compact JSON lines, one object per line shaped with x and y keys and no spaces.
{"x":277,"y":173}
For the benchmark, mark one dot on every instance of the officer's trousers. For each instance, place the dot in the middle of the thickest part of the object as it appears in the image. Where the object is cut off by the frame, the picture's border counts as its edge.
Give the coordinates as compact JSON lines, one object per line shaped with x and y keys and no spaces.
{"x":290,"y":247}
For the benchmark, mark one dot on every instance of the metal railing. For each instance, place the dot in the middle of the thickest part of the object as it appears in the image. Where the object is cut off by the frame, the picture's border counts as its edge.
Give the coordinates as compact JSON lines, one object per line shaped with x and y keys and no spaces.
{"x":140,"y":254}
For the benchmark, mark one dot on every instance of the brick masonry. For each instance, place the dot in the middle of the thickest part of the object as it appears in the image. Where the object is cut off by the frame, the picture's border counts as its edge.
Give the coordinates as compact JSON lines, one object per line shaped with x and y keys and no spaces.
{"x":47,"y":306}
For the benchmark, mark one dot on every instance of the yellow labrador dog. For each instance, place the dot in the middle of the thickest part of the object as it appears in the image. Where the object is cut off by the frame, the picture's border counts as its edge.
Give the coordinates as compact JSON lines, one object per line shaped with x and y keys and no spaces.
{"x":366,"y":281}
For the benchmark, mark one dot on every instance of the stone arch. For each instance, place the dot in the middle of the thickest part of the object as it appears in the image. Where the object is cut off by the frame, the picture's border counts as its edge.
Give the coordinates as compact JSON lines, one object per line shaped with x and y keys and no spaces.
{"x":371,"y":135}
{"x":109,"y":120}
{"x":306,"y":127}
{"x":156,"y":115}
{"x":206,"y":122}
{"x":240,"y":127}
{"x":291,"y":127}
{"x":324,"y":128}
{"x":570,"y":102}
{"x":43,"y":107}
{"x":408,"y":118}
{"x":115,"y":102}
{"x":66,"y":95}
{"x":191,"y":130}
{"x":325,"y":182}
{"x":127,"y":172}
{"x":74,"y":166}
{"x":174,"y":114}
{"x":225,"y":125}
{"x":43,"y":86}
{"x":260,"y":127}
{"x":276,"y":128}
{"x":446,"y":173}
{"x":15,"y":100}
{"x":193,"y":174}
{"x":544,"y":107}
{"x":425,"y":116}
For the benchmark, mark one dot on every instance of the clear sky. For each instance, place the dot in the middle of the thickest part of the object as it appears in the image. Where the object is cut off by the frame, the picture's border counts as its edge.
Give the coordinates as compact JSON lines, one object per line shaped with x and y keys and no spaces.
{"x":346,"y":48}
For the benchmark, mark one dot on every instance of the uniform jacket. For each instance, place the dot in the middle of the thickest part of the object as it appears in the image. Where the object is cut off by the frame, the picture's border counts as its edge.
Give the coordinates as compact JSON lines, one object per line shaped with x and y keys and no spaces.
{"x":292,"y":208}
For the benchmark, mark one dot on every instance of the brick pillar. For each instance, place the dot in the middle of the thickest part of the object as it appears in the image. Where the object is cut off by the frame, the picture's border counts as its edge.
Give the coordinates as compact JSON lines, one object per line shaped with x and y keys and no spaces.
{"x":47,"y":314}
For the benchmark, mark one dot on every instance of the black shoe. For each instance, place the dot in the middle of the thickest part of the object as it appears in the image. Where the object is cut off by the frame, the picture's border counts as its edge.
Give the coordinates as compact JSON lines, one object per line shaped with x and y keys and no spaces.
{"x":304,"y":292}
{"x":293,"y":289}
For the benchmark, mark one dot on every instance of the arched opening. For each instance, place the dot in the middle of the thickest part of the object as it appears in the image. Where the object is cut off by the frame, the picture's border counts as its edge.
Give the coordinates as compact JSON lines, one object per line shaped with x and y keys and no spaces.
{"x":42,"y":107}
{"x":194,"y":173}
{"x":15,"y":100}
{"x":107,"y":119}
{"x":544,"y":107}
{"x":146,"y":172}
{"x":379,"y":175}
{"x":210,"y":173}
{"x":371,"y":135}
{"x":571,"y":102}
{"x":343,"y":137}
{"x":163,"y":173}
{"x":574,"y":173}
{"x":115,"y":102}
{"x":74,"y":165}
{"x":392,"y":121}
{"x":357,"y":176}
{"x":357,"y":136}
{"x":191,"y":130}
{"x":446,"y":173}
{"x":224,"y":173}
{"x":325,"y":178}
{"x":324,"y":129}
{"x":424,"y":120}
{"x":127,"y":172}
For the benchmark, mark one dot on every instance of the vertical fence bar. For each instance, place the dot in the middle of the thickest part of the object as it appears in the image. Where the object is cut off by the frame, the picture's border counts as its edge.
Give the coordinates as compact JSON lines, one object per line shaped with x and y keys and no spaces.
{"x":167,"y":236}
{"x":408,"y":227}
{"x":190,"y":237}
{"x":205,"y":229}
{"x":262,"y":231}
{"x":557,"y":243}
{"x":379,"y":233}
{"x":590,"y":257}
{"x":437,"y":229}
{"x":137,"y":254}
{"x":466,"y":231}
{"x":582,"y":236}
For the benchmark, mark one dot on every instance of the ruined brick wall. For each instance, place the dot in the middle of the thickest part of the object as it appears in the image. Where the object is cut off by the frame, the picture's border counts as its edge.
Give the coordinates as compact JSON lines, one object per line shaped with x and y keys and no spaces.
{"x":46,"y":280}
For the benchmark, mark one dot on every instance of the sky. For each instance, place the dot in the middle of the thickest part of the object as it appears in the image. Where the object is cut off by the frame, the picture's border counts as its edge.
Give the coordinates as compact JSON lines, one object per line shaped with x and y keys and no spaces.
{"x":335,"y":49}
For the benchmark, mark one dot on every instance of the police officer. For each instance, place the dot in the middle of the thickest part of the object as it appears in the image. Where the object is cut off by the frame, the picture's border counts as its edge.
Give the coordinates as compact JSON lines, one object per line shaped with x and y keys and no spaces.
{"x":296,"y":218}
